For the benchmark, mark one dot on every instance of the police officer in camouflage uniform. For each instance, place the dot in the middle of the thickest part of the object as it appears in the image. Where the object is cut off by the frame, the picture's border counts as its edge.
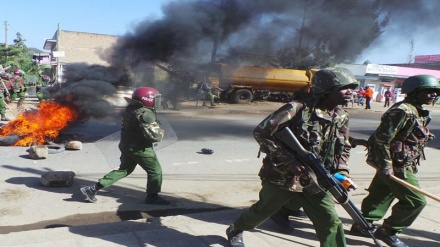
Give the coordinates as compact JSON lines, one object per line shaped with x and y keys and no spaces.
{"x":396,"y":148}
{"x":41,"y":85}
{"x":140,"y":129}
{"x":18,"y":88}
{"x":3,"y":104}
{"x":321,"y":125}
{"x":4,"y":94}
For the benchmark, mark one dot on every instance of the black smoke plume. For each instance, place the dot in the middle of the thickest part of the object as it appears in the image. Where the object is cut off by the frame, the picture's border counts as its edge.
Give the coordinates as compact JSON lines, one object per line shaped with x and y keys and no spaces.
{"x":342,"y":28}
{"x":86,"y":86}
{"x":245,"y":30}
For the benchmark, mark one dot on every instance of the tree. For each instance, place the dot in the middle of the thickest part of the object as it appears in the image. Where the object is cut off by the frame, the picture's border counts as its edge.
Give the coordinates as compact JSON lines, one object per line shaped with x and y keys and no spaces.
{"x":18,"y":56}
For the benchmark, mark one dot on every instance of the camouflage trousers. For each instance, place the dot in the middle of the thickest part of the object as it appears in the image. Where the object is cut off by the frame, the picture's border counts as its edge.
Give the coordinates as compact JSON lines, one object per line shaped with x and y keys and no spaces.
{"x":131,"y":156}
{"x":2,"y":104}
{"x":382,"y":192}
{"x":320,"y":209}
{"x":21,"y":96}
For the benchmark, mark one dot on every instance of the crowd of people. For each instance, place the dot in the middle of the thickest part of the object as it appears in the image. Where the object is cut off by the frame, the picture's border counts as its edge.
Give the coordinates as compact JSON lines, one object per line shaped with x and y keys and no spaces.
{"x":14,"y":87}
{"x":364,"y":95}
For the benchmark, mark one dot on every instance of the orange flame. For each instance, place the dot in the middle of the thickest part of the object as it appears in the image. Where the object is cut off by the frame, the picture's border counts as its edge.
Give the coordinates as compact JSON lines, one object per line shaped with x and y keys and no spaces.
{"x":38,"y":126}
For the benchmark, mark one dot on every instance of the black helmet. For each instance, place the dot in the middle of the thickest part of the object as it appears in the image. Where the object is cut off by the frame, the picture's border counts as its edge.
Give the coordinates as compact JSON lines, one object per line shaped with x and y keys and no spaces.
{"x":417,"y":82}
{"x":331,"y":80}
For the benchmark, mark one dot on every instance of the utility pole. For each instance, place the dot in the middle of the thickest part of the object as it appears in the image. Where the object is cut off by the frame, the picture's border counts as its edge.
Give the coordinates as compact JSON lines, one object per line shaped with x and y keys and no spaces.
{"x":6,"y":34}
{"x":6,"y":40}
{"x":410,"y":56}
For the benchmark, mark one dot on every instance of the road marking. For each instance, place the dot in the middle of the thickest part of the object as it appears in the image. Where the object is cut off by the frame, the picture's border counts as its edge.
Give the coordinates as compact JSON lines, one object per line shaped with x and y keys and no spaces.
{"x":237,"y":160}
{"x":185,"y":163}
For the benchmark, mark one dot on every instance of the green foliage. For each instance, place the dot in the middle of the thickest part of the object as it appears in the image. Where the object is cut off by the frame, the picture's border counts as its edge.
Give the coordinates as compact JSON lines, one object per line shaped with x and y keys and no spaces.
{"x":18,"y":56}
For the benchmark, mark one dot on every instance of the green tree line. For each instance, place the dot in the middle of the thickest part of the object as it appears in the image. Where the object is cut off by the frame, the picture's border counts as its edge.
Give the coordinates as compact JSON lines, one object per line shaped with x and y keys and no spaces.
{"x":19,"y":56}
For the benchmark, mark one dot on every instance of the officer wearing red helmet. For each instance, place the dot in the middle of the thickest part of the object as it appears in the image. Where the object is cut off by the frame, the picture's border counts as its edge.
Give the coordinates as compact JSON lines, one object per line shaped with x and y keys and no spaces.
{"x":140,"y":129}
{"x":18,"y":88}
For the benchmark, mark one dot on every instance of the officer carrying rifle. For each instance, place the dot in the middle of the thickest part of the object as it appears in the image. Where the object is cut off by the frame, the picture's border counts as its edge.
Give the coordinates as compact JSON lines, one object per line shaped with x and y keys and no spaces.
{"x":321,"y":127}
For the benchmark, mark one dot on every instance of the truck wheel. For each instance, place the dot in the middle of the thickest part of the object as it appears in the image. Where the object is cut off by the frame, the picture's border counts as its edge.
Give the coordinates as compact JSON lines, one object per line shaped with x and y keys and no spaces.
{"x":242,"y":96}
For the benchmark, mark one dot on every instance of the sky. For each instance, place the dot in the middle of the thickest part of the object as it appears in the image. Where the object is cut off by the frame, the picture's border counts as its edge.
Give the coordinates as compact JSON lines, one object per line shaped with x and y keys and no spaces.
{"x":38,"y":20}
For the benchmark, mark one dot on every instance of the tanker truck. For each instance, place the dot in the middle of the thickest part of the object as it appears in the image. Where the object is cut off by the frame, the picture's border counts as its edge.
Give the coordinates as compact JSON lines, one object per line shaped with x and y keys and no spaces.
{"x":241,"y":84}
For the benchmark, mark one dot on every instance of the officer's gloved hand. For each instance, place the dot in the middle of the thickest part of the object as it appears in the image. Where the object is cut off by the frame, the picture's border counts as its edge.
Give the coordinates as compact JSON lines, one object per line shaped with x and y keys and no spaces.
{"x":343,"y":172}
{"x":387,"y":172}
{"x":345,"y":181}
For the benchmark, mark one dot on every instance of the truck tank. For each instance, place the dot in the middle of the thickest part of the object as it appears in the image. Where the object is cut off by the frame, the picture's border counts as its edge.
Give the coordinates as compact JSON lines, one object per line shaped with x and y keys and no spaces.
{"x":241,"y":82}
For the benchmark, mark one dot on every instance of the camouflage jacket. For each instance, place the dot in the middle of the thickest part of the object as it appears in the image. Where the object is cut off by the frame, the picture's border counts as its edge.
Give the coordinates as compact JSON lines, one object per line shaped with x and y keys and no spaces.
{"x":399,"y":140}
{"x":140,"y":126}
{"x":18,"y":83}
{"x":327,"y":136}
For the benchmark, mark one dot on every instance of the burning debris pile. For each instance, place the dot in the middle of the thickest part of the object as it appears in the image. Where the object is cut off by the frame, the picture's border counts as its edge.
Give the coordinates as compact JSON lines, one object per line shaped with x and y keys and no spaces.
{"x":36,"y":127}
{"x":77,"y":99}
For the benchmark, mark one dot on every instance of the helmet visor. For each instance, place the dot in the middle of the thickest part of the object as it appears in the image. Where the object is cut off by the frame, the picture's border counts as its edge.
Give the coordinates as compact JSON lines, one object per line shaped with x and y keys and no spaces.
{"x":158,"y":101}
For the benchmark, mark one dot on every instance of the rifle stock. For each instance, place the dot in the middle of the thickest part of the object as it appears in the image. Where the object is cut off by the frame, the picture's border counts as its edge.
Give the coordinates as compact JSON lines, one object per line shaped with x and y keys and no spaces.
{"x":325,"y":179}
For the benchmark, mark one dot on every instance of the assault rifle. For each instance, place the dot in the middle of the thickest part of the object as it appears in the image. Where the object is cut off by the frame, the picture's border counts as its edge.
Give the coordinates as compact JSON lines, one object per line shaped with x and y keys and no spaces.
{"x":323,"y":180}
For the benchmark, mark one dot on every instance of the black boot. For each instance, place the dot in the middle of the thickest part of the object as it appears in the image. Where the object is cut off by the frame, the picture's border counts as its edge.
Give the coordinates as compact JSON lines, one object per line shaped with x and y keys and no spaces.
{"x":154,"y":198}
{"x":235,"y":237}
{"x":389,"y":237}
{"x":281,"y":219}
